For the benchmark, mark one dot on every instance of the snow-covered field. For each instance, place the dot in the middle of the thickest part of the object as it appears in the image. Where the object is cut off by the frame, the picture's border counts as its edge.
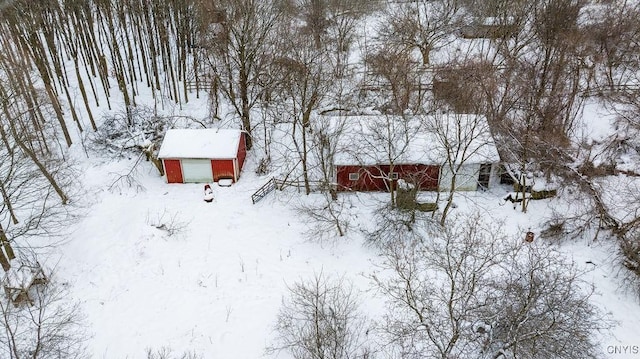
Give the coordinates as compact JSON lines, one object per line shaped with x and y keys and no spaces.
{"x":214,"y":287}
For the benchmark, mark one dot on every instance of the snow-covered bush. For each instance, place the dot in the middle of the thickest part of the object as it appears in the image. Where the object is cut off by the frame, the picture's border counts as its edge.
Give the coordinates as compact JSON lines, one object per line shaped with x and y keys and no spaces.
{"x":169,"y":222}
{"x":167,"y":353}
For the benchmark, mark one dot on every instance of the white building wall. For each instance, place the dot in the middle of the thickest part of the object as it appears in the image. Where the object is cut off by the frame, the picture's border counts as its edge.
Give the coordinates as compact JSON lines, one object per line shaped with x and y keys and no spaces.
{"x":466,"y":180}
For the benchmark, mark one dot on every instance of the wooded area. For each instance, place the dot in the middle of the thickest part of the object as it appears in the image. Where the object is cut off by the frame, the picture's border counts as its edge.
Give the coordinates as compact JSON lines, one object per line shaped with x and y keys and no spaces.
{"x":526,"y":66}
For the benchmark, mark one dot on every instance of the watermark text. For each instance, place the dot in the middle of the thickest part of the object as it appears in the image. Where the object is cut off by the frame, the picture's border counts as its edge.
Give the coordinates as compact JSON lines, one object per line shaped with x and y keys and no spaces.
{"x":623,"y":349}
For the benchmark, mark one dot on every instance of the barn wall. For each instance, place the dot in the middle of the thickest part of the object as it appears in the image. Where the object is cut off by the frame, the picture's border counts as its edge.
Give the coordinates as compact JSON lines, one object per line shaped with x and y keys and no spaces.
{"x":222,"y":169}
{"x":425,"y":176}
{"x":242,"y":152}
{"x":173,"y":171}
{"x":369,"y":180}
{"x":372,"y":178}
{"x":466,"y":180}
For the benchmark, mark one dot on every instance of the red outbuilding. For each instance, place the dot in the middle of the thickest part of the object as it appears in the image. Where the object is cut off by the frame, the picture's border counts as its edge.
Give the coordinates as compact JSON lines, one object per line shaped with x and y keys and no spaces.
{"x":202,"y":155}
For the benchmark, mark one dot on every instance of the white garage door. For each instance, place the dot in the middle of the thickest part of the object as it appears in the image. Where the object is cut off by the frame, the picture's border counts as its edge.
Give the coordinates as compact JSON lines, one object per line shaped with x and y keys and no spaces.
{"x":196,"y":171}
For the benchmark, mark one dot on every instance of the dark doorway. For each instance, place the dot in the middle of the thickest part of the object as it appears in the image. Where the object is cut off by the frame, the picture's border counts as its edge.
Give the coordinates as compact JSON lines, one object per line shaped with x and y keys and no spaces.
{"x":484,"y":176}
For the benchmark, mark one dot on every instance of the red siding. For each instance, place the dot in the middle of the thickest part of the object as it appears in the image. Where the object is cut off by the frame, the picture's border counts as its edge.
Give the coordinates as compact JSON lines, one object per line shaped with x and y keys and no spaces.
{"x":424,"y":175}
{"x":372,"y":178}
{"x":369,"y":179}
{"x":242,"y":152}
{"x":173,"y":170}
{"x":222,"y":169}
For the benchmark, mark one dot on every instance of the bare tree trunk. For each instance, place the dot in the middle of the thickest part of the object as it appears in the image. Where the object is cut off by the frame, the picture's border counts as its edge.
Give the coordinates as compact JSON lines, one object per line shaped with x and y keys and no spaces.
{"x":83,"y":92}
{"x":447,"y":207}
{"x":8,"y":203}
{"x":6,"y":244}
{"x":243,"y":84}
{"x":43,"y":169}
{"x":305,"y":168}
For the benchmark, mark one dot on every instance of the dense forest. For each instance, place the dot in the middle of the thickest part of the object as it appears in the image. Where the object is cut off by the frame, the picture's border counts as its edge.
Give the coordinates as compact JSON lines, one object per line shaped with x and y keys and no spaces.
{"x":529,"y":67}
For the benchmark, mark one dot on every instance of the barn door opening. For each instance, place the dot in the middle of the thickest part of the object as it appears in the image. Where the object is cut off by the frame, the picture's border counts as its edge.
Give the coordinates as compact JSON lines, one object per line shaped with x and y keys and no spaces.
{"x":484,"y":176}
{"x":196,"y":171}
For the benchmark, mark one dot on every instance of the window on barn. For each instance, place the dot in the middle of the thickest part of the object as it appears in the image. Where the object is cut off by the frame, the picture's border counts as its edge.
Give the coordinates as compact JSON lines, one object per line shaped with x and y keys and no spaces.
{"x":354,"y":176}
{"x":394,"y":175}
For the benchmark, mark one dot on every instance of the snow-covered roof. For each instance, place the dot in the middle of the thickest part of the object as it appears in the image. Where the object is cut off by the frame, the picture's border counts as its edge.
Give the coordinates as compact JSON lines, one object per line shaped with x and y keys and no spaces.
{"x":200,"y":143}
{"x":374,"y":140}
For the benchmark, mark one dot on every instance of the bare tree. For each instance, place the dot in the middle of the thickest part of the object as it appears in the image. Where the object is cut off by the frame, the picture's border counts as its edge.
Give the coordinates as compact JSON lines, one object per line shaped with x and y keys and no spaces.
{"x":394,"y":79}
{"x":462,"y":143}
{"x":239,"y":55}
{"x":467,"y":291}
{"x":435,"y":289}
{"x":613,"y":33}
{"x":328,"y":143}
{"x":327,"y":216}
{"x":423,"y":25}
{"x":303,"y":80}
{"x":34,"y":178}
{"x":320,"y":319}
{"x":534,"y":96}
{"x":51,"y":328}
{"x":607,"y":181}
{"x":30,"y":206}
{"x":541,"y":304}
{"x":329,"y":213}
{"x":332,"y":24}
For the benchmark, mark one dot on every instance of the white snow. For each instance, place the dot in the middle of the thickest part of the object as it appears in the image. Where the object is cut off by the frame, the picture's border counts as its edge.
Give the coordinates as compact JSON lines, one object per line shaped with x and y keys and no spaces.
{"x":200,"y":143}
{"x":595,"y":123}
{"x":370,"y":140}
{"x":214,"y":288}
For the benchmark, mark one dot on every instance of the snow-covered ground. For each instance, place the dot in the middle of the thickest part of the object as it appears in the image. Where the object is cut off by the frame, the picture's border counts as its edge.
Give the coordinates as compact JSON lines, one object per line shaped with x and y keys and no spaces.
{"x":215,"y":285}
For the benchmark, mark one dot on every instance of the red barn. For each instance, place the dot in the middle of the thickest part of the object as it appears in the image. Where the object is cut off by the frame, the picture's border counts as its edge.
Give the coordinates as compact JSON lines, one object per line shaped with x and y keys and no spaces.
{"x":202,"y":155}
